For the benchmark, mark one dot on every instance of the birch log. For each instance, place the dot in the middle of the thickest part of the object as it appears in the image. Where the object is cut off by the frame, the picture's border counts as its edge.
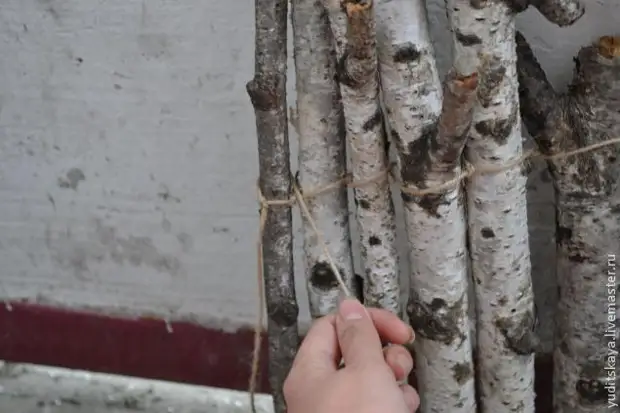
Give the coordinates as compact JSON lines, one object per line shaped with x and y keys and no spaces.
{"x":438,"y":300}
{"x":497,"y":213}
{"x":353,"y":25}
{"x":588,"y":218}
{"x":429,"y":154}
{"x":322,"y":156}
{"x":268,"y":95}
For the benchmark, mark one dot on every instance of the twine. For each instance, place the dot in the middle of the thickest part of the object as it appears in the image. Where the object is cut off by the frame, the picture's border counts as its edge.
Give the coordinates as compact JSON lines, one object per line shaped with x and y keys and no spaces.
{"x":300,"y":197}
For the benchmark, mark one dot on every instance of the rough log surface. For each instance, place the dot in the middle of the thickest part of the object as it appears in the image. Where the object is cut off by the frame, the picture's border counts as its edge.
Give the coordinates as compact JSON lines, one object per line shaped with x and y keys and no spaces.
{"x":438,"y":305}
{"x":322,"y":156}
{"x":498,"y":228}
{"x":429,"y":150}
{"x":268,"y":94}
{"x":358,"y":78}
{"x":588,"y":218}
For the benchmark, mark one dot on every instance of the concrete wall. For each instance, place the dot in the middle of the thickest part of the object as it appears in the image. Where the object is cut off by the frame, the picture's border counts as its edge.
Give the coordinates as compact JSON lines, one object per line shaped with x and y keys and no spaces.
{"x":128,"y":160}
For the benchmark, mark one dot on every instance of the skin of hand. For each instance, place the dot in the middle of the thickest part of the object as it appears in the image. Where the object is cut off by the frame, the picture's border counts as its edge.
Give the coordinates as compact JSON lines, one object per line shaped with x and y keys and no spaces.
{"x":369,"y":380}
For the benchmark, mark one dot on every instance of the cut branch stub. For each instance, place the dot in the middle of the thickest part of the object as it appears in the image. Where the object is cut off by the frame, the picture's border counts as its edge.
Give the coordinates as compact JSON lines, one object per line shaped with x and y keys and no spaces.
{"x":561,"y":12}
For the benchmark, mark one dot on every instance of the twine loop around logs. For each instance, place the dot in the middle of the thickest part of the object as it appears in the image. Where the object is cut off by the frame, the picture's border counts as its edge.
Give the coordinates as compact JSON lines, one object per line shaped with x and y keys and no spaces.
{"x":300,"y":198}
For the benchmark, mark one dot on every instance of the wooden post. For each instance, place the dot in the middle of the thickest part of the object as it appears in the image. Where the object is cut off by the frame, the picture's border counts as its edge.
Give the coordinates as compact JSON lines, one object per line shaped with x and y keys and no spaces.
{"x":268,"y":94}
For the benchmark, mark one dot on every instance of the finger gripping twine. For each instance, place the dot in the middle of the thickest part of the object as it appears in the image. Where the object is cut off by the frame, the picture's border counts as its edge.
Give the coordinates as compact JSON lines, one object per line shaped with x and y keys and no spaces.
{"x":300,"y":198}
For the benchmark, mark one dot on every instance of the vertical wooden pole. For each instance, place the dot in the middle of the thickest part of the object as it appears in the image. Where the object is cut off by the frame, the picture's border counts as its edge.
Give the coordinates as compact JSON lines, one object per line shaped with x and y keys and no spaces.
{"x":268,"y":94}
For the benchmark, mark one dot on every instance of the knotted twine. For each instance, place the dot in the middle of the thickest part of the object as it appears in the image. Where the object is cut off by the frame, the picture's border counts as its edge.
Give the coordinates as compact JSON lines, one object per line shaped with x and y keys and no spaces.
{"x":300,"y":197}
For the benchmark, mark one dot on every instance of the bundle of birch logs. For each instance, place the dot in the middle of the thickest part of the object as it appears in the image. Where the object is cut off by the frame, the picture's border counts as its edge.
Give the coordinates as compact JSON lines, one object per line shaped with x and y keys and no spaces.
{"x":366,"y":77}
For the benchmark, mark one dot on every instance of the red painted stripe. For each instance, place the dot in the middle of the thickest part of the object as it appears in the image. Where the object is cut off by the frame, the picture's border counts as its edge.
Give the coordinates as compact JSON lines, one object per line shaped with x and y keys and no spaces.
{"x":144,"y":348}
{"x":139,"y":347}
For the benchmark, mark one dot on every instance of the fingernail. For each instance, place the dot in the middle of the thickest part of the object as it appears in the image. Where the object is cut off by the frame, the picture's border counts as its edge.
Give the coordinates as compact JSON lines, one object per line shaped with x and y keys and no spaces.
{"x":411,"y":336}
{"x":403,"y":362}
{"x":351,"y":309}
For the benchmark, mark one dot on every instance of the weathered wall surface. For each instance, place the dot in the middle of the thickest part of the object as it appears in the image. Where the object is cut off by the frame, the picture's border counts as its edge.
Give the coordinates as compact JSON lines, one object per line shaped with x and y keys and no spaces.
{"x":128,"y":160}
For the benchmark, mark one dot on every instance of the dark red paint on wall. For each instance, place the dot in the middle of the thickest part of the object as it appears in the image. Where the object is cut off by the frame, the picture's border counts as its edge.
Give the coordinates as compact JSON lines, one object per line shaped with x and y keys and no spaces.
{"x":134,"y":347}
{"x":145,"y":348}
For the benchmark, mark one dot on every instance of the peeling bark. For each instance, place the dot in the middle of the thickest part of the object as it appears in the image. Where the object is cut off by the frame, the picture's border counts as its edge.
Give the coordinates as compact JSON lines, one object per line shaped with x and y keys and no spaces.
{"x":429,"y":146}
{"x":322,"y":156}
{"x":267,"y":92}
{"x":497,"y":213}
{"x":358,"y":77}
{"x":588,"y":217}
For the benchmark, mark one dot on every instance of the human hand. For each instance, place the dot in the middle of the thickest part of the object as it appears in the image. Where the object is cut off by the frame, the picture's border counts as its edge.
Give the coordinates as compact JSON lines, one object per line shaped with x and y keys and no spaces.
{"x":368,"y":382}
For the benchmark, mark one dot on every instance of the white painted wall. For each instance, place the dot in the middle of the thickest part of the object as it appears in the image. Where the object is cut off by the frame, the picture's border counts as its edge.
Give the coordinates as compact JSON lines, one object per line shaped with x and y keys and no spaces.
{"x":128,"y":160}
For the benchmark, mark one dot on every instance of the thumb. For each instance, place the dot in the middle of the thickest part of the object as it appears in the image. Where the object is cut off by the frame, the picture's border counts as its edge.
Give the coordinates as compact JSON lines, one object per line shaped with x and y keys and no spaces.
{"x":358,"y":338}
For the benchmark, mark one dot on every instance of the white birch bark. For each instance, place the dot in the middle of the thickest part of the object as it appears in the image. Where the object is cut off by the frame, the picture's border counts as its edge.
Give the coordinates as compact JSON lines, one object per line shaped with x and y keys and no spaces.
{"x":438,"y":302}
{"x":438,"y":307}
{"x":498,"y":231}
{"x":338,"y":23}
{"x":588,"y":219}
{"x":322,"y":157}
{"x":353,"y":25}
